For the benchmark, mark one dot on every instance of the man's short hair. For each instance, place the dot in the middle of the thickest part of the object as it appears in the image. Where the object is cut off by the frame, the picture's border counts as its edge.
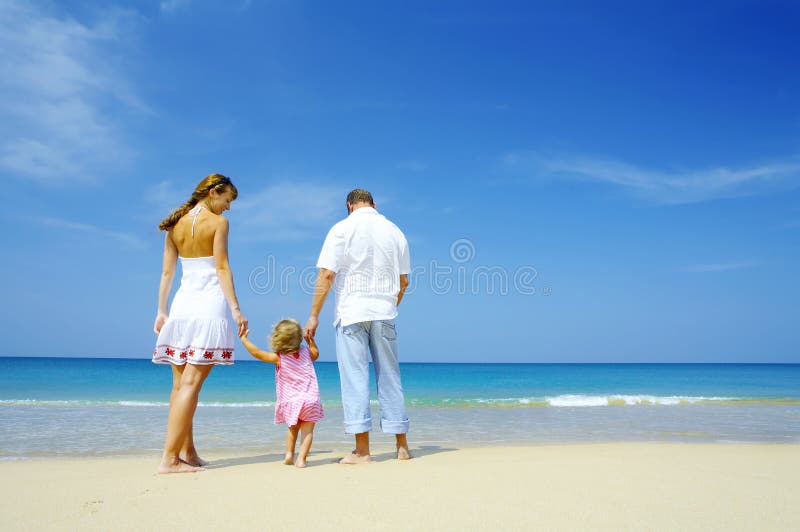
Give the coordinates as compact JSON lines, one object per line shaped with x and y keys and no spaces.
{"x":360,"y":195}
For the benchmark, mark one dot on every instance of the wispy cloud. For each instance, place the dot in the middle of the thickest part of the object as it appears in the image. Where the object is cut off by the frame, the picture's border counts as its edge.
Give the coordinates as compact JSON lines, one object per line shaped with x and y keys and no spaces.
{"x":59,"y":90}
{"x":720,"y":267}
{"x":412,"y":166}
{"x":794,"y":224}
{"x":163,"y":197}
{"x":285,"y":210}
{"x":670,"y":187}
{"x":126,"y":239}
{"x":289,"y":210}
{"x":170,"y":6}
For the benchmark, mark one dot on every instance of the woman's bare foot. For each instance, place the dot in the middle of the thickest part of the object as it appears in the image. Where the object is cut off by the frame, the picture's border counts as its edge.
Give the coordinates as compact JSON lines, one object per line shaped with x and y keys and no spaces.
{"x":177,"y":466}
{"x":403,"y":454}
{"x":300,"y":463}
{"x":354,"y":458}
{"x":288,"y":459}
{"x":195,"y":461}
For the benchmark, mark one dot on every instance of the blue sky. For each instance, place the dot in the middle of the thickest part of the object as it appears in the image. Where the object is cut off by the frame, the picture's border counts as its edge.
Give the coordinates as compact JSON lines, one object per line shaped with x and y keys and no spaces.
{"x":629,"y":170}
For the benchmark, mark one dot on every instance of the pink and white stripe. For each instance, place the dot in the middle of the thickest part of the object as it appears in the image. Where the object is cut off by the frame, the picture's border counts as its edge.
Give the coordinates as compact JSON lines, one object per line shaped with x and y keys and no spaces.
{"x":296,"y":389}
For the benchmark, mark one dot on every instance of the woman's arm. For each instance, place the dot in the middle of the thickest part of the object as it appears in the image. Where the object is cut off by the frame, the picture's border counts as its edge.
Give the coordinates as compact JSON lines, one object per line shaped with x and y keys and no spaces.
{"x":165,"y":286}
{"x":264,"y":356}
{"x":225,"y":275}
{"x":313,"y":350}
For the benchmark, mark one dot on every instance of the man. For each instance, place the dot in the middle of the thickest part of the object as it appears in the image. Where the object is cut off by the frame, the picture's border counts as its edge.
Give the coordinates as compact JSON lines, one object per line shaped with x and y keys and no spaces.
{"x":365,"y":258}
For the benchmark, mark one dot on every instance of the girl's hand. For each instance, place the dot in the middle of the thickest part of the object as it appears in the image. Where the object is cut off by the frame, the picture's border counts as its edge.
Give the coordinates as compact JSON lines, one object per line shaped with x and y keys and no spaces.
{"x":245,"y":333}
{"x":161,"y":318}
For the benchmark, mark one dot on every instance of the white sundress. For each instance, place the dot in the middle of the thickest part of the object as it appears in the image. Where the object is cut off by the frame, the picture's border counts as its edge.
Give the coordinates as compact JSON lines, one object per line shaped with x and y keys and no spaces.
{"x":199,"y":328}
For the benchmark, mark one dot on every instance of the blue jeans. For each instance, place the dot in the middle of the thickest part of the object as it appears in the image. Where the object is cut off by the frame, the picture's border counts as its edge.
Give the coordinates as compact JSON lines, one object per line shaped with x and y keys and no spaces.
{"x":354,"y":345}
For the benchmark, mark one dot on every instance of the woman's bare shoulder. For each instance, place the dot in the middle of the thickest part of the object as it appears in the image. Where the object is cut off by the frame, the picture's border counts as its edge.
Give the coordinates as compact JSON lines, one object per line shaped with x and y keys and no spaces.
{"x":218,"y":220}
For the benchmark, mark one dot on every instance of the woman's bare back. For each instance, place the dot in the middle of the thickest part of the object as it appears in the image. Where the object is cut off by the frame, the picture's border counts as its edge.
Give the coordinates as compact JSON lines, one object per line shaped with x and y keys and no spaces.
{"x":201,"y":243}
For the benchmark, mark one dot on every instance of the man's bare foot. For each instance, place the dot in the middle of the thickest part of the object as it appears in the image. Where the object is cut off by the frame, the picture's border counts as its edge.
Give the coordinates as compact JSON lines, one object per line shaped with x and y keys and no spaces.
{"x":288,"y":459}
{"x":195,"y":461}
{"x":300,"y":463}
{"x":403,"y":454}
{"x":354,"y":458}
{"x":177,"y":467}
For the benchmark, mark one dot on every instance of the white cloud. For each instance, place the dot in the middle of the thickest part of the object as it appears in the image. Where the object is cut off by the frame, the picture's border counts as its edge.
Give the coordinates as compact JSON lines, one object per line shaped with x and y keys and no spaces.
{"x":126,"y":239}
{"x":794,"y":224}
{"x":163,"y":197}
{"x":170,"y":6}
{"x":720,"y":267}
{"x":673,"y":187}
{"x":58,"y":92}
{"x":289,"y":210}
{"x":413,"y":166}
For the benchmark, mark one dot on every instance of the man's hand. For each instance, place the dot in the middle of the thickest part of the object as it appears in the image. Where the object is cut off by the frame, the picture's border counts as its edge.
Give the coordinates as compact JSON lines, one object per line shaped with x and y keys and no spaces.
{"x":321,"y":289}
{"x":310,"y":329}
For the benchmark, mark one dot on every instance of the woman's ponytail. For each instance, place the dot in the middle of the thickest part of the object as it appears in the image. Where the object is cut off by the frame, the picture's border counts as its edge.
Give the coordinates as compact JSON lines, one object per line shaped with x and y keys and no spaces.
{"x":216,"y":181}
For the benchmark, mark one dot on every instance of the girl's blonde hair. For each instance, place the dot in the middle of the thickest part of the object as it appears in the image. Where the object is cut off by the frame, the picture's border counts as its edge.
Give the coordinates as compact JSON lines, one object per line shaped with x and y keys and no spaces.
{"x":218,"y":182}
{"x":287,"y":335}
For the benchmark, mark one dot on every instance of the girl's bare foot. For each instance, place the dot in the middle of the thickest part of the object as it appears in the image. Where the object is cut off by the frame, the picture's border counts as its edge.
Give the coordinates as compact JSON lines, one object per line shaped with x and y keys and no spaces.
{"x":402,"y":453}
{"x":177,"y":466}
{"x":354,"y":458}
{"x":288,"y":459}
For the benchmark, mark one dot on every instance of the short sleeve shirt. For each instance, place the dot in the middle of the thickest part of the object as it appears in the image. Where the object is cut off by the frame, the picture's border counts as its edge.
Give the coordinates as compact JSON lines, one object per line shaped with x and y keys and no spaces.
{"x":368,"y":253}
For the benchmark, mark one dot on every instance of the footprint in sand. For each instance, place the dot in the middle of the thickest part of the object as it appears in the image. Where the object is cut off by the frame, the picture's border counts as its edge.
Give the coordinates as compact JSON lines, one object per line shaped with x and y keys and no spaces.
{"x":92,"y":506}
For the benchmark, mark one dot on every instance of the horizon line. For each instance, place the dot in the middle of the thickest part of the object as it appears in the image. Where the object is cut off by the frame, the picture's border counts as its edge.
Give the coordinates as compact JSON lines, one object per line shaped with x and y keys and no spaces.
{"x":422,"y":362}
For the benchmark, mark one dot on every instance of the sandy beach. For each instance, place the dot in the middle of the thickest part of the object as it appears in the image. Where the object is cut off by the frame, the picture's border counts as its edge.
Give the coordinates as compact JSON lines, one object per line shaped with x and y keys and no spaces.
{"x":549,"y":487}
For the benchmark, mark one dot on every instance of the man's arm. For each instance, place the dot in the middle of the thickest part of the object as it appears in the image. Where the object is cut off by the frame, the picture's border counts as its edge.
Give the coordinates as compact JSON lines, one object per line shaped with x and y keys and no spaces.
{"x":321,"y":289}
{"x":403,"y":286}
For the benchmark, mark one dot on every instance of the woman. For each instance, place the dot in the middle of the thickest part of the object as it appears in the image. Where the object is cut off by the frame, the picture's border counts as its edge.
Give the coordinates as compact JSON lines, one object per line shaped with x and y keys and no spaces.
{"x":197,"y":334}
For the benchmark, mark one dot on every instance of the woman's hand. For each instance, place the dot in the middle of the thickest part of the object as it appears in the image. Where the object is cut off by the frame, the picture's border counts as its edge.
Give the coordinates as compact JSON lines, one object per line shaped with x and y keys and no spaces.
{"x":161,"y":319}
{"x":244,"y":334}
{"x":241,"y":321}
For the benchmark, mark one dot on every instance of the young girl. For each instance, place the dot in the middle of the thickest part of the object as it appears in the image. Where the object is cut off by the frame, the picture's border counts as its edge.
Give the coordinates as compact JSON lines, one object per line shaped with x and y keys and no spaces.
{"x":298,"y":404}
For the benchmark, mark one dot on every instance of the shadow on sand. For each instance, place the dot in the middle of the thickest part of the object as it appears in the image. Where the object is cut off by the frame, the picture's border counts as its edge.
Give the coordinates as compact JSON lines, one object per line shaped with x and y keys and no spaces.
{"x":258,"y":459}
{"x":416,"y":453}
{"x":315,"y":460}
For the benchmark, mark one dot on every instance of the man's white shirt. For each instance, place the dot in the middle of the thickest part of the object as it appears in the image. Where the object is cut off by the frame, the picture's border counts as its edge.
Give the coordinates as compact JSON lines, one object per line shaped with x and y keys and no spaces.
{"x":368,"y":253}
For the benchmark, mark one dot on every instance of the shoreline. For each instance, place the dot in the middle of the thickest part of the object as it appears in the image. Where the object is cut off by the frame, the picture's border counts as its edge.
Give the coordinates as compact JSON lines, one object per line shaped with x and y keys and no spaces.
{"x":655,"y":486}
{"x":383,"y":445}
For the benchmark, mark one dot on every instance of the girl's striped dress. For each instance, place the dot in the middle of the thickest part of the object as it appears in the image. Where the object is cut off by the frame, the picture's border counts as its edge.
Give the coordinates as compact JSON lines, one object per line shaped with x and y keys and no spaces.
{"x":296,"y":389}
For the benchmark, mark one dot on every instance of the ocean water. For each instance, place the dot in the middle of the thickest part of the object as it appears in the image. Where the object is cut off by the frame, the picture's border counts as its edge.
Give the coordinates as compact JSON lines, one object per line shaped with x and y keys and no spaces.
{"x":53,"y":407}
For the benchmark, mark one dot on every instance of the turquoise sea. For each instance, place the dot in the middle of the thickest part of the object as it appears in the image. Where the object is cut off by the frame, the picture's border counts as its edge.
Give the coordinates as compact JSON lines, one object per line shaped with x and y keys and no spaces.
{"x":99,"y":407}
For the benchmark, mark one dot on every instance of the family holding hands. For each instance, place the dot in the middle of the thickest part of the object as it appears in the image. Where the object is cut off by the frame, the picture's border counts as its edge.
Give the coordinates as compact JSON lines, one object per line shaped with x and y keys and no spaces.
{"x":364,"y":260}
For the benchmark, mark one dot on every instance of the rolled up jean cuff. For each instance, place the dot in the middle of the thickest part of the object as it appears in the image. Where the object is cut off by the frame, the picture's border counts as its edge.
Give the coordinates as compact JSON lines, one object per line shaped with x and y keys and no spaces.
{"x":357,"y":427}
{"x":394,"y":427}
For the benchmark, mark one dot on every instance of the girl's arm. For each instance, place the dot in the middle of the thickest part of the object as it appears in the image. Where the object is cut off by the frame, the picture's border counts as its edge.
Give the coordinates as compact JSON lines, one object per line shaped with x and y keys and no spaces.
{"x":313,"y":350}
{"x":225,"y":275}
{"x":167,"y":275}
{"x":264,"y":356}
